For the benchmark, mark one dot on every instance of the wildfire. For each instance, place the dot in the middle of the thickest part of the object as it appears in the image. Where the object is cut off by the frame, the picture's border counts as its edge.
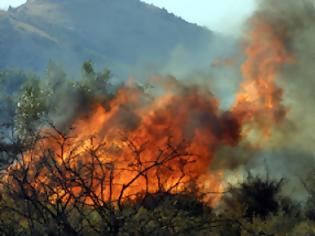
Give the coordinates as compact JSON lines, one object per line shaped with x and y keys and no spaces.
{"x":259,"y":100}
{"x":164,"y":141}
{"x":139,"y":146}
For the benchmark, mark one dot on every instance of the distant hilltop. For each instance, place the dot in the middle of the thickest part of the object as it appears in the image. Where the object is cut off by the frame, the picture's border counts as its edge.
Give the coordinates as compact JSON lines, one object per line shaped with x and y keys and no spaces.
{"x":124,"y":35}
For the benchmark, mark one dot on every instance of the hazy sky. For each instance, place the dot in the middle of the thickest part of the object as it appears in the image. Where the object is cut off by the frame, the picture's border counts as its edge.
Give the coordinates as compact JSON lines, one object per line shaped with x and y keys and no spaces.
{"x":220,"y":15}
{"x":5,"y":3}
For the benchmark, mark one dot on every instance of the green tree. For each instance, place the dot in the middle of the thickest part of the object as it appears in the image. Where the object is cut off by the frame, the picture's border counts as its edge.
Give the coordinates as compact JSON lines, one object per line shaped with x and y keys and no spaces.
{"x":95,"y":83}
{"x":31,"y":107}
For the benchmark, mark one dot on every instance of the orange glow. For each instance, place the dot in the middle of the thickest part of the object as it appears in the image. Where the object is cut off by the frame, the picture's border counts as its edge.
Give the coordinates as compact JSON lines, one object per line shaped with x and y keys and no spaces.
{"x":164,"y":143}
{"x":145,"y":143}
{"x":260,"y":98}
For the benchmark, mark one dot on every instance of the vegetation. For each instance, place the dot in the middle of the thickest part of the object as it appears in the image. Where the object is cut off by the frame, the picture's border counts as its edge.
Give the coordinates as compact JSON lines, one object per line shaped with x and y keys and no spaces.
{"x":37,"y":196}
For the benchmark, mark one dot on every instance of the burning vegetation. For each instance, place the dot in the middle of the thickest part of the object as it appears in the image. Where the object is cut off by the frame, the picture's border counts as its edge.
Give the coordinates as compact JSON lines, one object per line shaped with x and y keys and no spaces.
{"x":82,"y":158}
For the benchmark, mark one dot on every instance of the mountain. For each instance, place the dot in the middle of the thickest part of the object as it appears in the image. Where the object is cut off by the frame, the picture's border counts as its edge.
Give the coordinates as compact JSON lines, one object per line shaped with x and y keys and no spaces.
{"x":124,"y":35}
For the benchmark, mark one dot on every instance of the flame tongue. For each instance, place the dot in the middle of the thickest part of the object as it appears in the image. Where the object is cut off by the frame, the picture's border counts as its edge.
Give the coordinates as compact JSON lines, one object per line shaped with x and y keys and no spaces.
{"x":260,"y":97}
{"x":161,"y":142}
{"x":172,"y":141}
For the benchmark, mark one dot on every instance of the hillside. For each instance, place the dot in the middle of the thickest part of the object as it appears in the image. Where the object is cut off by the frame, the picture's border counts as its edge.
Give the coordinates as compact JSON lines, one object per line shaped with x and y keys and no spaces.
{"x":125,"y":35}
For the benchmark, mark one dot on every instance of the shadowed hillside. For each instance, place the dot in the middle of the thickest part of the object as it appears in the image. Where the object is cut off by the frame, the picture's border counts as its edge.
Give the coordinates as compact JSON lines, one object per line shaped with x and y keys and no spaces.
{"x":125,"y":35}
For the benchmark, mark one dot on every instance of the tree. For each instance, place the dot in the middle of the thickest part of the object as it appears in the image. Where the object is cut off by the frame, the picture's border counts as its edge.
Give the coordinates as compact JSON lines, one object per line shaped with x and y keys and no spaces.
{"x":94,"y":83}
{"x":260,"y":197}
{"x":31,"y":107}
{"x":309,"y":185}
{"x":56,"y":190}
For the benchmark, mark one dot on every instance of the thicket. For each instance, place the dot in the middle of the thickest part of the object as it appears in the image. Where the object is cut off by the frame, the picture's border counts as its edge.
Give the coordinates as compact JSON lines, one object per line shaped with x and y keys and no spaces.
{"x":256,"y":206}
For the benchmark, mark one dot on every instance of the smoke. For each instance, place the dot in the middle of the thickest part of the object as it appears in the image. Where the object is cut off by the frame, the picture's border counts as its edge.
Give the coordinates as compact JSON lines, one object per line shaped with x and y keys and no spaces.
{"x":298,"y":80}
{"x":264,"y":122}
{"x":289,"y":150}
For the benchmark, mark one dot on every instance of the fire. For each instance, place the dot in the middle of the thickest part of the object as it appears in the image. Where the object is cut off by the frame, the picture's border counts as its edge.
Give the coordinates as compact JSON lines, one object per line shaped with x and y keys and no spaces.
{"x":260,"y":98}
{"x":141,"y":145}
{"x":164,"y":141}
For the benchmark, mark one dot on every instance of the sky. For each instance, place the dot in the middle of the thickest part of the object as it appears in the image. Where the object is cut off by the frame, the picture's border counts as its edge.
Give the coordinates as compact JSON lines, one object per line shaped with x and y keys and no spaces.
{"x":225,"y":16}
{"x":5,"y":3}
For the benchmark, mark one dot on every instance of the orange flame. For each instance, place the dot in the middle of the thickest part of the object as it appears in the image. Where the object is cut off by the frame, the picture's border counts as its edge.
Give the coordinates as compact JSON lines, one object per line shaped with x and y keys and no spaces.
{"x":141,"y":145}
{"x":260,"y":99}
{"x":147,"y":143}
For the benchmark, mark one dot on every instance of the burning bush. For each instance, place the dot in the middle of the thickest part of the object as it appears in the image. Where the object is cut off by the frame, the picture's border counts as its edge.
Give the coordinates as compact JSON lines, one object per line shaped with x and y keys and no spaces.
{"x":91,"y":159}
{"x":76,"y":187}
